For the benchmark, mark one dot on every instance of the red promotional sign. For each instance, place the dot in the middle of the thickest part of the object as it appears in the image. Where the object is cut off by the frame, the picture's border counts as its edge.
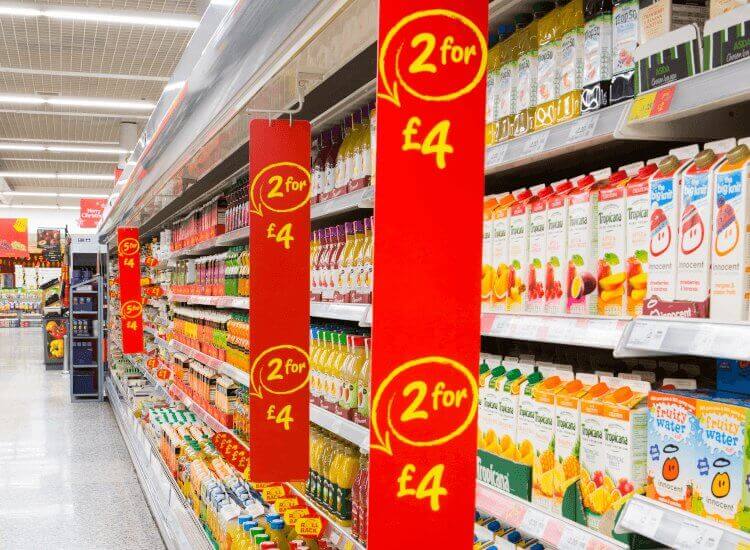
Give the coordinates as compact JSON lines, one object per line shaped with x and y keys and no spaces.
{"x":91,"y":212}
{"x":280,"y":298}
{"x":14,"y":238}
{"x":430,"y":165}
{"x":232,"y":450}
{"x":131,"y":305}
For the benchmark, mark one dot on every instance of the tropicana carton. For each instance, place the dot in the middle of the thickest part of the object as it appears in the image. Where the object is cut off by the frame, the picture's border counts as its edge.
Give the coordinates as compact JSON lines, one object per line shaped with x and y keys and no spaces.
{"x":638,"y":238}
{"x":518,"y":247}
{"x":508,"y":404}
{"x":535,"y":289}
{"x":500,"y":251}
{"x":489,"y":381}
{"x":730,"y":279}
{"x":488,"y":273}
{"x":556,"y":248}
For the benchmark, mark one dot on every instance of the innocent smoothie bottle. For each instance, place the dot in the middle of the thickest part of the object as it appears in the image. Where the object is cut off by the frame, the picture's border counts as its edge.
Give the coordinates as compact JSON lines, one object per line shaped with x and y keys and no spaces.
{"x":548,"y":60}
{"x":570,"y":67}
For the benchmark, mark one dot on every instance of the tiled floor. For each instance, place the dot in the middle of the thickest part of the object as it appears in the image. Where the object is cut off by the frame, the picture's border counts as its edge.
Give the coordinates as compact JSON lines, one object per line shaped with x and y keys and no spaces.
{"x":66,"y":479}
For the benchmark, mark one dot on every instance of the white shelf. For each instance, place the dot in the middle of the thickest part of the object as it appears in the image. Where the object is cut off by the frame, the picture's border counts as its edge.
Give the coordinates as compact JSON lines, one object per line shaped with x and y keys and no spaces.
{"x":535,"y":522}
{"x":218,"y":365}
{"x":594,"y":332}
{"x":346,"y":429}
{"x":677,"y":528}
{"x":361,"y":198}
{"x":231,"y":238}
{"x":233,"y":302}
{"x":342,"y":312}
{"x":576,"y":135}
{"x":701,"y":337}
{"x":179,"y":527}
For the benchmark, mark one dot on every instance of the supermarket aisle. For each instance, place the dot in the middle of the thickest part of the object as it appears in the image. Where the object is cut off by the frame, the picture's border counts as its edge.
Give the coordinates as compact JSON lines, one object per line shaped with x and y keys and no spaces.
{"x":66,"y":480}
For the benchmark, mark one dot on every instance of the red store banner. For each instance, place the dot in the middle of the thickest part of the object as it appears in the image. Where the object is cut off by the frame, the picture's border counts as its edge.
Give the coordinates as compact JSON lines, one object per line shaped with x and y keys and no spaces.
{"x":430,"y":171}
{"x":91,"y":212}
{"x":131,"y":305}
{"x":279,"y":300}
{"x":14,"y":238}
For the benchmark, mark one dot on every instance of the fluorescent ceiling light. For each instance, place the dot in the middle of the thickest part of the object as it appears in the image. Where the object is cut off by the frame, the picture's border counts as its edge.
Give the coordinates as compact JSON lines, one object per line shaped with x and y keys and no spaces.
{"x":20,"y":10}
{"x":174,"y":86}
{"x":55,"y":175}
{"x":98,"y":177}
{"x":27,"y":194}
{"x":99,"y":103}
{"x":122,"y":18}
{"x":28,"y":99}
{"x":39,"y":206}
{"x":42,"y":175}
{"x":83,"y":195}
{"x":74,"y":149}
{"x":21,"y":147}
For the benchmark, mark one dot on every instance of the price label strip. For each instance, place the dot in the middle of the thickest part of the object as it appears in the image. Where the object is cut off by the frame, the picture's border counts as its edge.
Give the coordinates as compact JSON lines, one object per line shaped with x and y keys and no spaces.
{"x":645,"y":335}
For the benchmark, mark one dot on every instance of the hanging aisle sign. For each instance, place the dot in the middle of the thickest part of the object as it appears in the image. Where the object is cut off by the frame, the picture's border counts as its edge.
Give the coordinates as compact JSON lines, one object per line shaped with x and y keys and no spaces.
{"x":430,"y":174}
{"x":279,"y":394}
{"x":131,"y":304}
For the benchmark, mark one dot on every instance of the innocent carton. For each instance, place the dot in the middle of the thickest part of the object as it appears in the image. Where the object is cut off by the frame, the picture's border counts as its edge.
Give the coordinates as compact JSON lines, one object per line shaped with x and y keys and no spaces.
{"x":500,"y":221}
{"x":535,"y":289}
{"x":612,"y":239}
{"x":556,"y":248}
{"x":672,"y":433}
{"x":730,"y":279}
{"x":518,"y":248}
{"x":696,"y":202}
{"x":637,"y":238}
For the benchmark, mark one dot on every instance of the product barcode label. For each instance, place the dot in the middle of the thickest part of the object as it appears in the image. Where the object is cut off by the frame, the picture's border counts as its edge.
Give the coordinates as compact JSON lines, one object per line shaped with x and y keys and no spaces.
{"x":647,"y":335}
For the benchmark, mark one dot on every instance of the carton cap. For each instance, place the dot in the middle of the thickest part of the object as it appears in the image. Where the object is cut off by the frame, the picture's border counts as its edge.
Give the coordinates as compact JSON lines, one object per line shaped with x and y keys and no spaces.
{"x":686,"y":152}
{"x":617,"y":177}
{"x":669,"y":164}
{"x":546,"y":192}
{"x":537,"y":189}
{"x":585,"y":181}
{"x":562,"y":186}
{"x":632,"y":168}
{"x":738,"y":154}
{"x":705,"y":158}
{"x":602,"y":174}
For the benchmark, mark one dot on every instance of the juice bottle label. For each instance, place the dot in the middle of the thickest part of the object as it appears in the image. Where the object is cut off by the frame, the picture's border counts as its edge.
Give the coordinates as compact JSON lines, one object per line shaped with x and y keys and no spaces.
{"x":571,"y":61}
{"x":597,"y":47}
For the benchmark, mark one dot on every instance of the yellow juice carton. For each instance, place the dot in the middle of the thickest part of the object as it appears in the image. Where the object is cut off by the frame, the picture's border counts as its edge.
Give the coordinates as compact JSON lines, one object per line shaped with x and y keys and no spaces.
{"x":500,"y":251}
{"x":535,"y":290}
{"x":518,"y":248}
{"x":488,"y":273}
{"x":730,"y":277}
{"x":638,"y":236}
{"x":672,"y":434}
{"x":622,"y":416}
{"x":527,"y":410}
{"x":488,"y":411}
{"x":557,"y":248}
{"x":612,"y":246}
{"x":568,"y":421}
{"x":508,"y":395}
{"x":721,"y":453}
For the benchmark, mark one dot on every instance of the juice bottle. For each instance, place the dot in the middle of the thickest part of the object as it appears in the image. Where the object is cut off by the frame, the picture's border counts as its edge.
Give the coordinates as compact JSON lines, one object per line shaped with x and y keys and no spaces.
{"x":318,"y":175}
{"x":356,"y":264}
{"x":337,"y":369}
{"x":369,"y":257}
{"x":359,"y":499}
{"x":362,"y":413}
{"x":348,"y":467}
{"x":505,"y":93}
{"x":350,"y":375}
{"x":321,"y":362}
{"x":276,"y":533}
{"x":341,"y":293}
{"x":547,"y":90}
{"x":362,"y":153}
{"x":493,"y":62}
{"x":373,"y":141}
{"x":330,"y":166}
{"x":570,"y":67}
{"x":597,"y":60}
{"x":350,"y":158}
{"x":343,"y":152}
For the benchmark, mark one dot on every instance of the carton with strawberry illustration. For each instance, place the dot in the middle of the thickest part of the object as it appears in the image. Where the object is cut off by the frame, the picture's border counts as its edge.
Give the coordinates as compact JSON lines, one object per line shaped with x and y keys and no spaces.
{"x":730,"y":279}
{"x":583,"y":219}
{"x":518,"y":247}
{"x":672,"y":434}
{"x":555,"y":270}
{"x":535,"y":287}
{"x":501,"y":263}
{"x":638,"y":237}
{"x":612,"y":238}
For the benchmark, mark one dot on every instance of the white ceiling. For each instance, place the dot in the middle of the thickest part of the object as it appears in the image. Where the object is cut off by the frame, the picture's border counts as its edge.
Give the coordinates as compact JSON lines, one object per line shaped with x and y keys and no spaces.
{"x":118,"y":61}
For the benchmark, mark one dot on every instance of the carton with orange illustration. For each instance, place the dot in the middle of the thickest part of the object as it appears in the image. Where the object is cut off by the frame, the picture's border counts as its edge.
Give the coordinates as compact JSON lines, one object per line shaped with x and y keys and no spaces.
{"x":637,"y":238}
{"x":508,"y":410}
{"x":518,"y":247}
{"x":612,"y":238}
{"x":488,"y":273}
{"x":672,"y":434}
{"x":617,"y":423}
{"x":722,"y":463}
{"x":489,"y":382}
{"x":500,"y":251}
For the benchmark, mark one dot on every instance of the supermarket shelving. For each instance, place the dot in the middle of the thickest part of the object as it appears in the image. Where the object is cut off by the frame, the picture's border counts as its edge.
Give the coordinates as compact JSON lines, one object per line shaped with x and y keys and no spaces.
{"x":217,"y":364}
{"x":359,"y":199}
{"x":230,"y":238}
{"x":179,"y":527}
{"x":199,"y":411}
{"x":341,"y":311}
{"x":538,"y":523}
{"x":590,"y":331}
{"x":677,"y":528}
{"x":233,"y":302}
{"x":346,"y":429}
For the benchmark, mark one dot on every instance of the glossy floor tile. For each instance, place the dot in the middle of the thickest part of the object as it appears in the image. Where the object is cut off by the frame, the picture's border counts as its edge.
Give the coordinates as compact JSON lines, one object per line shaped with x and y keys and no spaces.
{"x":66,"y":479}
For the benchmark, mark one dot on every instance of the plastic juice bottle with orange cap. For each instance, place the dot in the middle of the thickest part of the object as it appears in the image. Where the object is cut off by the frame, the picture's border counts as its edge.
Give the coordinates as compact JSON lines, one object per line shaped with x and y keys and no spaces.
{"x":518,"y":248}
{"x":537,"y":228}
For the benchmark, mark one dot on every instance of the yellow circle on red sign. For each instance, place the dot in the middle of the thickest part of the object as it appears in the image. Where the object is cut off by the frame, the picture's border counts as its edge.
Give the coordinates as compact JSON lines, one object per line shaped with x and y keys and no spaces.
{"x":131,"y":309}
{"x":128,"y":247}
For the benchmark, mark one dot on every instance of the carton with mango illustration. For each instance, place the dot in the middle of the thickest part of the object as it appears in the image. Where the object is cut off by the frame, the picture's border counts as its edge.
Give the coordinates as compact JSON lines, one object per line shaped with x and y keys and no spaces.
{"x":500,"y":251}
{"x":613,"y":450}
{"x":722,"y":464}
{"x":672,"y":436}
{"x":612,"y":239}
{"x":488,"y":272}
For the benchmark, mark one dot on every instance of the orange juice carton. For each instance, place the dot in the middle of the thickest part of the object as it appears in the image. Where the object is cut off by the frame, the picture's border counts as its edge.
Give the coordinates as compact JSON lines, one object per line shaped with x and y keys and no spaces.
{"x":721,"y":460}
{"x":730,"y":276}
{"x":518,"y":248}
{"x":488,"y":273}
{"x":665,"y":193}
{"x":696,"y":202}
{"x":488,"y":439}
{"x":527,"y":411}
{"x":583,"y":219}
{"x":612,"y":244}
{"x":556,"y":248}
{"x":568,"y":422}
{"x":508,"y":405}
{"x":672,"y":433}
{"x":535,"y":288}
{"x":500,"y":221}
{"x":547,"y":474}
{"x":637,"y":238}
{"x":622,"y":415}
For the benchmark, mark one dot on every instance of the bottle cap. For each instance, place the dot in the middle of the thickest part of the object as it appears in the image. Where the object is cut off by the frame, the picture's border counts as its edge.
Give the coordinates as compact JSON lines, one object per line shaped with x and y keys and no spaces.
{"x":669,"y":164}
{"x":514,"y":536}
{"x":513,"y":374}
{"x":484,"y":367}
{"x":534,"y":377}
{"x":705,"y":158}
{"x":498,"y":371}
{"x":738,"y":154}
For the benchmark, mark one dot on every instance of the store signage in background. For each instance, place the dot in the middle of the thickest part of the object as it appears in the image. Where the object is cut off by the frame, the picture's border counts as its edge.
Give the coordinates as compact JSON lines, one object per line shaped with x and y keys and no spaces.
{"x":430,"y":134}
{"x":49,"y":241}
{"x":14,"y":238}
{"x":131,"y":306}
{"x":280,"y":297}
{"x":91,"y":212}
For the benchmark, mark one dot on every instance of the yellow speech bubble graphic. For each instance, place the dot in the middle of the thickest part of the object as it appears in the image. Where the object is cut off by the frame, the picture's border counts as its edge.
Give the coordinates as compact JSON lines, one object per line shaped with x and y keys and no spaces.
{"x":259,"y":200}
{"x":391,"y":83}
{"x":382,"y":440}
{"x":279,"y":368}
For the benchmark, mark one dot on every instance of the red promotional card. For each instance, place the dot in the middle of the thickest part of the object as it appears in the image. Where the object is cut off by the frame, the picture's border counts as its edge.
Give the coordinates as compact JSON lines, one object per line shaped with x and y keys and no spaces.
{"x":91,"y":212}
{"x":131,"y":305}
{"x":14,"y":238}
{"x":279,"y":397}
{"x":429,"y":192}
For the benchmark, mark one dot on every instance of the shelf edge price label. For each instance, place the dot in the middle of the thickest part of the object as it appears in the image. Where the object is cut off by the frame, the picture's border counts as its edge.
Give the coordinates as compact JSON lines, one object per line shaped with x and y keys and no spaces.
{"x":431,"y":87}
{"x":279,"y":366}
{"x":131,"y":304}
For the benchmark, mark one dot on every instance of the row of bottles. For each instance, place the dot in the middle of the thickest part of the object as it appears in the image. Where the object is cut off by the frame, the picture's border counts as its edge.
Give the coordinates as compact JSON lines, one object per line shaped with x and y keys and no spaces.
{"x":225,"y":274}
{"x":340,"y":372}
{"x":237,"y":201}
{"x":342,"y":158}
{"x":341,"y":260}
{"x":201,"y":224}
{"x":237,"y":272}
{"x":267,"y":532}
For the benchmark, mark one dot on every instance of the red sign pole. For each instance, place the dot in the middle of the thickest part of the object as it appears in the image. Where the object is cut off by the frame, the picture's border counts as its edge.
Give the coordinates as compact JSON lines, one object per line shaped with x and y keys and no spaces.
{"x":131,"y":305}
{"x":430,"y":164}
{"x":279,"y":401}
